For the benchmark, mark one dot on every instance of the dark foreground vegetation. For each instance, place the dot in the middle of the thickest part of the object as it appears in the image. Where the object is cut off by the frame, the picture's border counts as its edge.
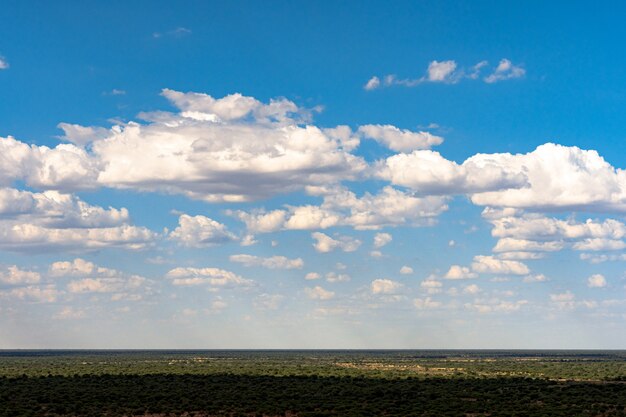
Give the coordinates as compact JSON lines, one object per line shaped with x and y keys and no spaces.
{"x":312,"y":384}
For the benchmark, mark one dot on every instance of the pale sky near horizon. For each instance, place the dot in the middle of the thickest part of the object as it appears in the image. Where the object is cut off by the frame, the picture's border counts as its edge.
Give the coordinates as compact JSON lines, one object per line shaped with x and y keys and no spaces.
{"x":315,"y":175}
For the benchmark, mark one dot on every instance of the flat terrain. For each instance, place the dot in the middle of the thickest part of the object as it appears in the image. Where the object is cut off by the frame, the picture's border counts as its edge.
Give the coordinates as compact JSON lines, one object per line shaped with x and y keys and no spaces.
{"x":312,"y":383}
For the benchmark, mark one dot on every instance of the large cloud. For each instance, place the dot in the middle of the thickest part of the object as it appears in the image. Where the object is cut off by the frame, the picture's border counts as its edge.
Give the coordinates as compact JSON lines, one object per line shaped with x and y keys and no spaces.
{"x":56,"y":221}
{"x":229,"y":149}
{"x":342,"y":207}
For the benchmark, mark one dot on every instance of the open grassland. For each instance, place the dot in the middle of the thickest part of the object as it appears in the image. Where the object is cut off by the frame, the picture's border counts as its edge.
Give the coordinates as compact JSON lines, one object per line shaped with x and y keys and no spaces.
{"x":313,"y":383}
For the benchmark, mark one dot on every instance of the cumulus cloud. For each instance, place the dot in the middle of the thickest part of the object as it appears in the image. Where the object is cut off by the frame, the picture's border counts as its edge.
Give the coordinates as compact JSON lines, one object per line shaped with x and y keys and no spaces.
{"x":88,"y":277}
{"x":431,"y":285}
{"x":427,"y":172}
{"x":558,"y":177}
{"x":426,"y":303}
{"x":459,"y":272}
{"x":4,"y":64}
{"x":38,"y":294}
{"x":273,"y":262}
{"x":406,"y":270}
{"x":596,"y":281}
{"x":449,"y":72}
{"x":13,"y":275}
{"x":382,"y":239}
{"x":372,"y":84}
{"x":565,"y":300}
{"x":495,"y":305}
{"x":319,"y":293}
{"x":82,"y":135}
{"x":505,"y":70}
{"x":535,"y":278}
{"x":336,"y":277}
{"x":213,"y":277}
{"x":400,"y":140}
{"x":233,"y":148}
{"x":324,"y":243}
{"x":341,"y":207}
{"x":312,"y":276}
{"x":385,"y":286}
{"x":56,"y":221}
{"x":268,"y":301}
{"x":200,"y":231}
{"x":492,"y":265}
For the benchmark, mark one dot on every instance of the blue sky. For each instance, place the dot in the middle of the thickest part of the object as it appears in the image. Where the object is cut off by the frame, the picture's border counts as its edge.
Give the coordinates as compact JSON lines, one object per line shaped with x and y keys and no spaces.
{"x":280,"y":175}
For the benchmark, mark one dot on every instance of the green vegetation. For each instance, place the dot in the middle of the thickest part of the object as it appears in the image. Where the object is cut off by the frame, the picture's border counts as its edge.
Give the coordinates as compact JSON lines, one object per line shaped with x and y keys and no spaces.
{"x":312,"y":383}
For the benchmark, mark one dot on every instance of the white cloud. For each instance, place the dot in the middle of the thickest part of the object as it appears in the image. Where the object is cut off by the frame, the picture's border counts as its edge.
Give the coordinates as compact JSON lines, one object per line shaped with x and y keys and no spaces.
{"x":268,"y":301}
{"x":272,"y":262}
{"x":406,"y":270}
{"x":200,"y":231}
{"x":385,"y":286}
{"x":429,"y":173}
{"x":596,"y":281}
{"x":509,"y":244}
{"x":599,"y":258}
{"x":55,"y":221}
{"x":400,"y":140}
{"x":341,"y":207}
{"x":335,"y":277}
{"x":178,"y":32}
{"x":558,"y":177}
{"x":372,"y":84}
{"x":563,"y":300}
{"x":82,"y":135}
{"x":471,"y":289}
{"x":41,"y":294}
{"x":449,"y":72}
{"x":382,"y":239}
{"x":324,"y":243}
{"x":600,"y":244}
{"x":230,"y":149}
{"x":505,"y":71}
{"x":459,"y":272}
{"x":213,"y":277}
{"x":495,"y":305}
{"x":491,"y":265}
{"x":426,"y":303}
{"x":319,"y":293}
{"x":535,"y":278}
{"x":92,"y":278}
{"x":431,"y":285}
{"x":15,"y":276}
{"x":312,"y":276}
{"x":69,"y":313}
{"x":4,"y":64}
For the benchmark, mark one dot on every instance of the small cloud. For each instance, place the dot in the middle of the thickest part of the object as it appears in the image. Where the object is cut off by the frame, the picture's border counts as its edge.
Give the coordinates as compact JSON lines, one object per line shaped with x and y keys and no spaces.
{"x":248,"y":240}
{"x":179,"y":32}
{"x":312,"y":276}
{"x":459,"y":272}
{"x":449,"y":72}
{"x":505,"y":71}
{"x":114,"y":92}
{"x":319,"y":293}
{"x":385,"y":286}
{"x":596,"y":281}
{"x":406,"y":270}
{"x":335,"y":277}
{"x":4,"y":64}
{"x":535,"y":278}
{"x":381,"y":239}
{"x":372,"y":84}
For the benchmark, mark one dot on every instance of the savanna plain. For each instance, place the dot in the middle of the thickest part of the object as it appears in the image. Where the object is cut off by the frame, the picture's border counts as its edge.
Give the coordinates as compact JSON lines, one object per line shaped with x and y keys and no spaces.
{"x":312,"y":383}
